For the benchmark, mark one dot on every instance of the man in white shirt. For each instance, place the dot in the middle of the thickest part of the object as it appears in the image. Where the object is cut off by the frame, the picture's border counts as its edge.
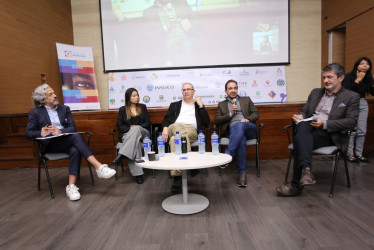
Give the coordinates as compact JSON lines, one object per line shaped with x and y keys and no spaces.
{"x":186,"y":116}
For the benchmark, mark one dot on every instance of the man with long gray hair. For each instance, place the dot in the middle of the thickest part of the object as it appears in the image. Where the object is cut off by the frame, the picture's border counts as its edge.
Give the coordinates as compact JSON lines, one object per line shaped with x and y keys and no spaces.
{"x":50,"y":118}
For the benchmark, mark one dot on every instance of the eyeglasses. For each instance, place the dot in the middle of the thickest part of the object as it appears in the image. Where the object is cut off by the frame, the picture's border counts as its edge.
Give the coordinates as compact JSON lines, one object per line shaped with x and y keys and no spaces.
{"x":185,"y":90}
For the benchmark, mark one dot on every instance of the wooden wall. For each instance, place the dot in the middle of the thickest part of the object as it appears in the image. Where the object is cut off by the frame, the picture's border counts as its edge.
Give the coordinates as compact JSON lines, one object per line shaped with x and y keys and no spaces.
{"x":29,"y":31}
{"x":16,"y":151}
{"x":358,"y":19}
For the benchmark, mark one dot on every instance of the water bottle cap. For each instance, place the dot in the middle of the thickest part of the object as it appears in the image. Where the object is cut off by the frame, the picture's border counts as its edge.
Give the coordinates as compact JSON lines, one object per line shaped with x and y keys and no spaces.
{"x":146,"y":136}
{"x":177,"y":132}
{"x":214,"y":132}
{"x":159,"y":133}
{"x":201,"y":131}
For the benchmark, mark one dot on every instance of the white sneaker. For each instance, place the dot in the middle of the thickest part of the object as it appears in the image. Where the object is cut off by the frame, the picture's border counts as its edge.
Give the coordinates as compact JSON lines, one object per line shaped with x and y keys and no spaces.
{"x":72,"y":192}
{"x":105,"y":172}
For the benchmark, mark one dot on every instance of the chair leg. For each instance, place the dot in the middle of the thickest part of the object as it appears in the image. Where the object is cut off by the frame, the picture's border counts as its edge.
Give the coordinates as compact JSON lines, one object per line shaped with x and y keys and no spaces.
{"x":347,"y":172}
{"x":115,"y":164}
{"x":122,"y":167}
{"x":92,"y":177}
{"x":288,"y":168}
{"x":334,"y":174}
{"x":257,"y":160}
{"x":39,"y":168}
{"x":48,"y":179}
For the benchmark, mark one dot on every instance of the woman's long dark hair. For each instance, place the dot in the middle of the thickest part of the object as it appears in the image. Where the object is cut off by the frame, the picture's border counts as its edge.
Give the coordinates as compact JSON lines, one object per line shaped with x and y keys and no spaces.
{"x":368,"y":78}
{"x":128,"y":94}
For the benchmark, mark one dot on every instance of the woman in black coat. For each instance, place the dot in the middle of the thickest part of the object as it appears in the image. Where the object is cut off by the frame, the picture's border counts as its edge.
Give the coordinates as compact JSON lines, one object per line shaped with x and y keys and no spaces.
{"x":133,"y":123}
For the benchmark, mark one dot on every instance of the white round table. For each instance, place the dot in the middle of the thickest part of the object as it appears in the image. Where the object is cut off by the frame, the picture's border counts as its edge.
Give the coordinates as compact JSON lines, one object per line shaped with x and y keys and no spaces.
{"x":186,"y":203}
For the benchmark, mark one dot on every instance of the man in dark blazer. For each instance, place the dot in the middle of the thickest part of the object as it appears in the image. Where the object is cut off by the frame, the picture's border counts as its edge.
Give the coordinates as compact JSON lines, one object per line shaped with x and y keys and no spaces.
{"x":237,"y":117}
{"x":187,"y":116}
{"x":335,"y":109}
{"x":47,"y":119}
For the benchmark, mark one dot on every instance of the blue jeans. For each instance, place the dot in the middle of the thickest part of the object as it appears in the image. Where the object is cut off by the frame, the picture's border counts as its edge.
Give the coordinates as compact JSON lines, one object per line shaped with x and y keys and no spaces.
{"x":239,"y":134}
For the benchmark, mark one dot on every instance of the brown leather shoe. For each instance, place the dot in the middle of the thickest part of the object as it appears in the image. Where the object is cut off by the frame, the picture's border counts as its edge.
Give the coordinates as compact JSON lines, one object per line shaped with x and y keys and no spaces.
{"x":307,"y":178}
{"x":288,"y":190}
{"x":242,"y":180}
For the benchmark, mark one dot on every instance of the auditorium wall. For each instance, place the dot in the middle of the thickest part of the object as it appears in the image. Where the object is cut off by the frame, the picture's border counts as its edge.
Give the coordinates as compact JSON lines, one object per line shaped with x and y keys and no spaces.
{"x":303,"y":74}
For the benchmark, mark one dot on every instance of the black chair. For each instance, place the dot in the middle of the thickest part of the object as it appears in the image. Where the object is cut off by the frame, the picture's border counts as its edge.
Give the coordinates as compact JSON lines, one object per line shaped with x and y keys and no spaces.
{"x":326,"y":151}
{"x":115,"y":135}
{"x":44,"y":157}
{"x":224,"y":141}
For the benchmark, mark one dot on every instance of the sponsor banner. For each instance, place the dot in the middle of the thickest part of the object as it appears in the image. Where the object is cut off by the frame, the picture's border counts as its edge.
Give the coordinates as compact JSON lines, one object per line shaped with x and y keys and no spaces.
{"x":157,"y":89}
{"x":79,"y":88}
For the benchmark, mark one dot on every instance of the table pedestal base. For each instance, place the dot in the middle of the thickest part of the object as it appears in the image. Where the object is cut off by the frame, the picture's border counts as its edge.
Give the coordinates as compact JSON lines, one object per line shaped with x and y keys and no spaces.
{"x":175,"y":205}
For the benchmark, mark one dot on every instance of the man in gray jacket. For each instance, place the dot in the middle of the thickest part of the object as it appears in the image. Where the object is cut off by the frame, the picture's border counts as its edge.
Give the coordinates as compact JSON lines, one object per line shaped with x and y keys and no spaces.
{"x":335,"y":109}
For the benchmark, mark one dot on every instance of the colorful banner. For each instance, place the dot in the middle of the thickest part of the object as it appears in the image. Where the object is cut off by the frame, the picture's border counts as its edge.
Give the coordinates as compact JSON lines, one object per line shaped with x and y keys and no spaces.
{"x":79,"y":87}
{"x":157,"y":89}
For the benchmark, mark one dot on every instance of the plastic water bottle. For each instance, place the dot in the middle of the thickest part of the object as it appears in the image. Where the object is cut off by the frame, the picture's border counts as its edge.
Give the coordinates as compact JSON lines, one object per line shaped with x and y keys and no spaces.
{"x":161,"y":145}
{"x":178,"y":144}
{"x":147,"y":146}
{"x":201,"y":141}
{"x":215,"y":143}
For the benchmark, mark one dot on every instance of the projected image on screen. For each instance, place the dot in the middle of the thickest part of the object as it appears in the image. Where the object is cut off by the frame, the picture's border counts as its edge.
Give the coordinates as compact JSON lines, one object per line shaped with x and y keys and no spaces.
{"x":156,"y":34}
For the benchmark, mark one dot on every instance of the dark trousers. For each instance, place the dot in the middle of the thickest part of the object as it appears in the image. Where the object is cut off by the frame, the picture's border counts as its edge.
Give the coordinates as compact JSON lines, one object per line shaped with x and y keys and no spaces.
{"x":73,"y":145}
{"x":305,"y":141}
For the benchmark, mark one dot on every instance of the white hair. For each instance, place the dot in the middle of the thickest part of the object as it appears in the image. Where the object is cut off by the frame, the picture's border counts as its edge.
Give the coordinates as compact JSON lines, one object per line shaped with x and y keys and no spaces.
{"x":39,"y":94}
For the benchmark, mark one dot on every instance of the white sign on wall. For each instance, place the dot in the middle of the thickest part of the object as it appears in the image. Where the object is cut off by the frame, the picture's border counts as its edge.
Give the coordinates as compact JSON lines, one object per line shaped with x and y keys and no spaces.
{"x":157,"y":89}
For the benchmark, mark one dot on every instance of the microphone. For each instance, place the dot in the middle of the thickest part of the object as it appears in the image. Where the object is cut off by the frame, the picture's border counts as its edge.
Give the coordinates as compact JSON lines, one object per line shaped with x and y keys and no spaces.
{"x":314,"y":118}
{"x":234,"y":102}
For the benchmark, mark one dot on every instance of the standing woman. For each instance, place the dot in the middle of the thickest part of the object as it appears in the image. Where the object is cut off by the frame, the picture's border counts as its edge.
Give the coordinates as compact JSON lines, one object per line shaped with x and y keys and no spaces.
{"x":133,"y":123}
{"x":360,"y":80}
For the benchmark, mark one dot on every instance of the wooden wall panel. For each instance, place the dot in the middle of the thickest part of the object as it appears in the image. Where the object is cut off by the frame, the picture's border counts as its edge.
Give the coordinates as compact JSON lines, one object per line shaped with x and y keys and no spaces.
{"x":360,"y":38}
{"x":337,"y":12}
{"x":16,"y":151}
{"x":29,"y":31}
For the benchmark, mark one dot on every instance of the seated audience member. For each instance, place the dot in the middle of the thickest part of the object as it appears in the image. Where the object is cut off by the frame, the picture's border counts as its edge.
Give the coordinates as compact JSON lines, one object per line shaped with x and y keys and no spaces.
{"x":237,"y":116}
{"x":186,"y":116}
{"x":359,"y":80}
{"x":50,"y":118}
{"x":133,"y":123}
{"x":337,"y":111}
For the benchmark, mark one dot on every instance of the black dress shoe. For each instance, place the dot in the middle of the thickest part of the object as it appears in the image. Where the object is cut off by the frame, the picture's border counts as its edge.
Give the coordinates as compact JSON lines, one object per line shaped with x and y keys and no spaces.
{"x":288,"y":190}
{"x":139,"y":179}
{"x":118,"y":159}
{"x":177,"y":185}
{"x":363,"y":159}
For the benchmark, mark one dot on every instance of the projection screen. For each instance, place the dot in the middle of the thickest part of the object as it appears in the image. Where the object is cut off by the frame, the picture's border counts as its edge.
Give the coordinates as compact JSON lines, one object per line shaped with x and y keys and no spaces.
{"x":172,"y":34}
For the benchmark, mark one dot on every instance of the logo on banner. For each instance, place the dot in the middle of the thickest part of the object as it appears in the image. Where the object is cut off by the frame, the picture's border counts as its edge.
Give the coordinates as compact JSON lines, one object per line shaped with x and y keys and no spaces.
{"x":154,"y":76}
{"x":268,"y":83}
{"x":137,"y":76}
{"x":146,"y":99}
{"x":242,"y":84}
{"x":164,"y":87}
{"x":174,"y":98}
{"x":112,"y":101}
{"x":149,"y":87}
{"x":279,"y":71}
{"x":123,"y":77}
{"x":280,"y":82}
{"x":254,"y":84}
{"x":68,"y":53}
{"x":161,"y":97}
{"x":261,"y":72}
{"x":243,"y":93}
{"x":226,"y":72}
{"x":111,"y":90}
{"x":272,"y":94}
{"x":122,"y":101}
{"x":244,"y":73}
